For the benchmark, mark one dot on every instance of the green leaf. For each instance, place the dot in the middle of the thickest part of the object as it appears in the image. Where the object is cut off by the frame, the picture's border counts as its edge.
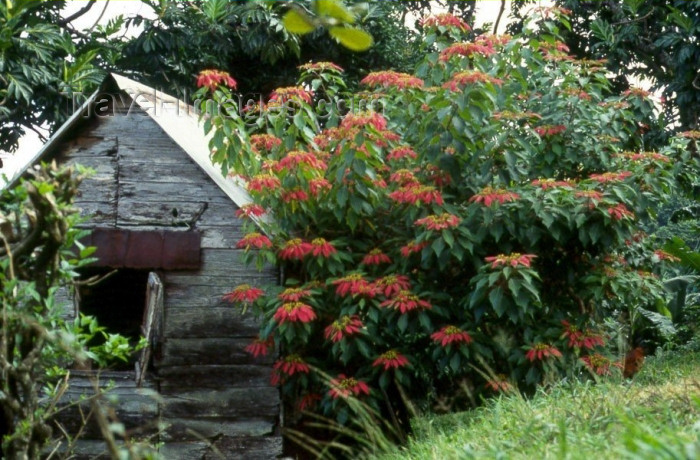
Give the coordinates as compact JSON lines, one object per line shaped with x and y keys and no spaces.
{"x":351,"y":38}
{"x":335,"y":10}
{"x":298,"y":23}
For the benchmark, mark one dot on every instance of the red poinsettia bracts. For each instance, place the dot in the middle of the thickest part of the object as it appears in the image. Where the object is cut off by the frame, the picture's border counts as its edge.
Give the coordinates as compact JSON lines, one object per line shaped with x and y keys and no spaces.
{"x":308,"y":401}
{"x":376,"y":257}
{"x":297,"y":158}
{"x":343,"y":327}
{"x":406,"y":301}
{"x":619,"y":212}
{"x":293,"y":294}
{"x":513,"y":260}
{"x":415,"y":194}
{"x":297,"y":194}
{"x":610,"y":177}
{"x":549,"y":130}
{"x":499,"y":384}
{"x":490,"y":195}
{"x":343,"y":387}
{"x":362,"y":119}
{"x":264,"y":142}
{"x":438,"y":223}
{"x":321,"y":66}
{"x":263,"y":182}
{"x":445,"y":20}
{"x":390,"y":360}
{"x":354,"y":284}
{"x":254,"y":240}
{"x":294,"y":312}
{"x":401,"y":152}
{"x":291,"y":93}
{"x":389,"y":78}
{"x":577,"y":338}
{"x":546,"y":184}
{"x":319,"y":185}
{"x":213,"y":78}
{"x":391,"y":285}
{"x":287,"y":367}
{"x":244,"y":293}
{"x":449,"y":335}
{"x":541,"y":351}
{"x":642,"y":156}
{"x":250,"y":210}
{"x":663,"y":255}
{"x":470,"y":77}
{"x":467,"y":49}
{"x":412,"y":247}
{"x":260,"y":346}
{"x":322,"y":248}
{"x":599,"y":364}
{"x":295,"y":249}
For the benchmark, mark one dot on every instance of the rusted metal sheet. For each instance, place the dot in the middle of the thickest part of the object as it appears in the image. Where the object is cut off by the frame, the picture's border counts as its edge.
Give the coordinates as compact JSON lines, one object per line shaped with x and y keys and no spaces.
{"x":152,"y":249}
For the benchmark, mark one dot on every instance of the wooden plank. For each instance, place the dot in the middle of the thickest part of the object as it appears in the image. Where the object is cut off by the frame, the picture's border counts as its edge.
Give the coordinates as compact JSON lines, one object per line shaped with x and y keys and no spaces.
{"x":230,"y":404}
{"x":249,"y":447}
{"x":222,"y":350}
{"x":98,"y":212}
{"x":196,"y":430}
{"x":175,"y":191}
{"x":201,"y":296}
{"x":84,"y":146}
{"x":180,"y":378}
{"x":216,"y":322}
{"x":152,"y":325}
{"x":190,"y":173}
{"x":183,"y":213}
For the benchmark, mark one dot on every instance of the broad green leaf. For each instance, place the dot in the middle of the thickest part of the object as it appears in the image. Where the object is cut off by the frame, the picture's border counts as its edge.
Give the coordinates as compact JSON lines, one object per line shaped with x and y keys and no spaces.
{"x":351,"y":38}
{"x":298,"y":23}
{"x":335,"y":10}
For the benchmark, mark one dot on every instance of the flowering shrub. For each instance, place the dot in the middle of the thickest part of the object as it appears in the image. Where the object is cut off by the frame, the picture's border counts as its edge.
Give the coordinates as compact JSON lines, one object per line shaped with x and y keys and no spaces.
{"x":477,"y":226}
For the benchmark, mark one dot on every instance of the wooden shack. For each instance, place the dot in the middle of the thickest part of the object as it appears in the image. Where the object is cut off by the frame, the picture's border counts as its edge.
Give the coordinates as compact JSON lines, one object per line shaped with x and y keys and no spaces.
{"x":163,"y":221}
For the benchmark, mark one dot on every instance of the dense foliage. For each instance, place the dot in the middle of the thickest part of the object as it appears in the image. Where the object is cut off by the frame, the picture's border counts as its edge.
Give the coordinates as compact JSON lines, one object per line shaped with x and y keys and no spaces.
{"x":472,"y":231}
{"x":654,"y":40}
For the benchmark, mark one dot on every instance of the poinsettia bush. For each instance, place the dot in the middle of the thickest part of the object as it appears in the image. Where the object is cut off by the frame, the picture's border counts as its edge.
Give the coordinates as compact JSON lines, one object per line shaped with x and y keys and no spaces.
{"x":467,"y":226}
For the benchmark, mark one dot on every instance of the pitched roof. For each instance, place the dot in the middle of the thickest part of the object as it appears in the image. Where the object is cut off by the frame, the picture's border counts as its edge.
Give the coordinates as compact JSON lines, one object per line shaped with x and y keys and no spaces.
{"x":178,"y":119}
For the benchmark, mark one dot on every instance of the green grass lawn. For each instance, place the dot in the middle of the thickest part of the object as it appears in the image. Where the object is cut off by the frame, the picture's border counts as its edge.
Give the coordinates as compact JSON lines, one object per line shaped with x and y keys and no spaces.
{"x":654,"y":416}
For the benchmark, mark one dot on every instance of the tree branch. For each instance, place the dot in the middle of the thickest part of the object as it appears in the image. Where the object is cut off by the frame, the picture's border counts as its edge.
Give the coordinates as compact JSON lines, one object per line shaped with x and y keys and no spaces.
{"x":77,"y":14}
{"x":498,"y":18}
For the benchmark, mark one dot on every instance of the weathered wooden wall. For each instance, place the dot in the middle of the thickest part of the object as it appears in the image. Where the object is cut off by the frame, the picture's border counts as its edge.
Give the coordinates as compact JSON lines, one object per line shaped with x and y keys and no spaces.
{"x":212,"y":392}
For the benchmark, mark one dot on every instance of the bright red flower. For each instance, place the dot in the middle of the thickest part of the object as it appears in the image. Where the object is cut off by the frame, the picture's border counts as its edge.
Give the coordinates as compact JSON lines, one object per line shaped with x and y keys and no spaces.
{"x":294,"y":312}
{"x":261,"y":182}
{"x":290,"y":93}
{"x":467,"y":49}
{"x":254,"y":240}
{"x":438,"y":223}
{"x":321,"y":247}
{"x":470,"y":77}
{"x":318,"y":185}
{"x":321,"y":67}
{"x":295,"y":249}
{"x":637,"y":92}
{"x":388,"y":78}
{"x":642,"y":156}
{"x":549,"y":130}
{"x":542,"y":351}
{"x":362,"y":119}
{"x":244,"y":293}
{"x":342,"y":387}
{"x":591,"y":195}
{"x":296,"y":158}
{"x":296,"y":194}
{"x":406,"y":301}
{"x":414,"y":194}
{"x":546,"y":184}
{"x":401,"y":152}
{"x":343,"y":327}
{"x":581,"y":339}
{"x":250,"y":210}
{"x":376,"y":257}
{"x":293,"y":294}
{"x":600,"y":364}
{"x":390,"y":360}
{"x":213,"y":78}
{"x":445,"y":20}
{"x":404,"y":178}
{"x":308,"y":401}
{"x":490,"y":195}
{"x":287,"y":367}
{"x":391,"y":285}
{"x":412,"y":247}
{"x":514,"y":260}
{"x":354,"y":284}
{"x":610,"y":177}
{"x":264,"y":142}
{"x":449,"y":335}
{"x":499,"y":383}
{"x":260,"y":347}
{"x":663,"y":255}
{"x":619,"y":212}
